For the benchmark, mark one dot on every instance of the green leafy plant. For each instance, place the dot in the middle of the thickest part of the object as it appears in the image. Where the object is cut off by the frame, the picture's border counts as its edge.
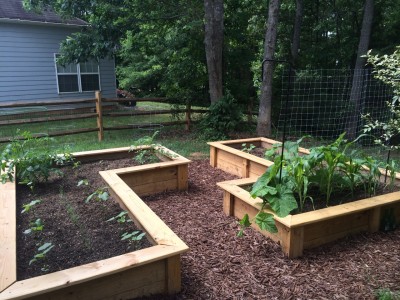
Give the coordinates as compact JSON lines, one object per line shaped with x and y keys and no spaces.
{"x":133,"y":236}
{"x":33,"y":160}
{"x":224,"y":116}
{"x":386,"y":69}
{"x":121,"y":217}
{"x":149,"y":155}
{"x":246,"y":148}
{"x":41,"y":252}
{"x":29,"y":206}
{"x":101,"y":194}
{"x":285,"y":186}
{"x":35,"y":226}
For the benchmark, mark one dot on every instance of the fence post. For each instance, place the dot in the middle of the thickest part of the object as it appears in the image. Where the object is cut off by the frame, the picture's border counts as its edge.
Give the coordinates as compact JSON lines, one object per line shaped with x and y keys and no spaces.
{"x":99,"y":116}
{"x":188,"y":108}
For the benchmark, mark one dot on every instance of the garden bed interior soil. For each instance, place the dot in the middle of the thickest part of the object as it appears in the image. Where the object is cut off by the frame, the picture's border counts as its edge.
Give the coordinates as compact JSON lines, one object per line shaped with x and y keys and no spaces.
{"x":79,"y":231}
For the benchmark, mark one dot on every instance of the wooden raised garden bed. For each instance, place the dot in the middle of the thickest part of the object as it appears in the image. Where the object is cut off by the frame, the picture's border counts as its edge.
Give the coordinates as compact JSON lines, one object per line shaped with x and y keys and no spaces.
{"x":300,"y":231}
{"x":227,"y":156}
{"x":314,"y":228}
{"x":154,"y":270}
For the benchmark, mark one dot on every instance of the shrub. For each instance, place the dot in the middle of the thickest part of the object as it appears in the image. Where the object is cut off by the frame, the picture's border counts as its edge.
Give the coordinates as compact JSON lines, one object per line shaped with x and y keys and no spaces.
{"x":387,"y":69}
{"x":224,"y":116}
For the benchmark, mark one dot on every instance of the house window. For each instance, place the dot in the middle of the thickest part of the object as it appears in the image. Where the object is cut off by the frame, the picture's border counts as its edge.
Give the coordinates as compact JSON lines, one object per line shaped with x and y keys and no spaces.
{"x":78,"y":78}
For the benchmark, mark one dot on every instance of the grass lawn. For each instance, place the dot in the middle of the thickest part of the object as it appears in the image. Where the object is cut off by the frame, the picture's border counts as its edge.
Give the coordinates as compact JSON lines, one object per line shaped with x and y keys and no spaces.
{"x":173,"y":137}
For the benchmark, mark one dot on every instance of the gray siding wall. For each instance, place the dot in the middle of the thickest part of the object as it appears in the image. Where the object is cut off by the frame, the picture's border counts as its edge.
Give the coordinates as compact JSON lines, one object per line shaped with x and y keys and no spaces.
{"x":27,"y":70}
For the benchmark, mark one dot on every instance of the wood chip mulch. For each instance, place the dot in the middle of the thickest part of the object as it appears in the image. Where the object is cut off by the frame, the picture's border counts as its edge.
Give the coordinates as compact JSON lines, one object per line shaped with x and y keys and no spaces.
{"x":221,"y":265}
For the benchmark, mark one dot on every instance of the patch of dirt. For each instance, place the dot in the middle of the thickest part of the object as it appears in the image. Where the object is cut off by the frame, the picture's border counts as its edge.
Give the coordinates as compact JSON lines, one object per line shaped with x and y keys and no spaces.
{"x":79,"y":231}
{"x":221,"y":265}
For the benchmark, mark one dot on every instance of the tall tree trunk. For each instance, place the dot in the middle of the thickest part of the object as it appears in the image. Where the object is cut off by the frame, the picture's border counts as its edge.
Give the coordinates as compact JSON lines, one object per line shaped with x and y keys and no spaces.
{"x":356,"y":86}
{"x":264,"y":112}
{"x":296,"y":32}
{"x":213,"y":40}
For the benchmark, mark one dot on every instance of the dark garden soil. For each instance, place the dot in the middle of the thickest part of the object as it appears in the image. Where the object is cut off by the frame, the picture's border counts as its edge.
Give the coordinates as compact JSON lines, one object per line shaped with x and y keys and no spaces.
{"x":221,"y":265}
{"x":79,"y":231}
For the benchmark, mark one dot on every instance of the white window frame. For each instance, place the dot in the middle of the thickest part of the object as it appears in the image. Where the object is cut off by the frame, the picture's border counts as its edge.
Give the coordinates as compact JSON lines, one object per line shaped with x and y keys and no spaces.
{"x":78,"y":74}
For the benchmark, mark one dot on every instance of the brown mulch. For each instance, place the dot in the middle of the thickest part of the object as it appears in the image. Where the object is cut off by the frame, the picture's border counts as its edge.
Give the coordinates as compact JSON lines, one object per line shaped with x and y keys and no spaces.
{"x":221,"y":265}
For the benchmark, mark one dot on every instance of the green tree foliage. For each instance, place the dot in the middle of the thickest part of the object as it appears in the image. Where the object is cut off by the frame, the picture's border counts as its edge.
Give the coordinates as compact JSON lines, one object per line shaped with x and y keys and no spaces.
{"x":159,"y":45}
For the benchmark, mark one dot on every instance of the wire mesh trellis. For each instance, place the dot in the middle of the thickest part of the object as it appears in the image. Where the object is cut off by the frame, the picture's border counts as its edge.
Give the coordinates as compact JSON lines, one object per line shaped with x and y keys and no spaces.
{"x":320,"y":103}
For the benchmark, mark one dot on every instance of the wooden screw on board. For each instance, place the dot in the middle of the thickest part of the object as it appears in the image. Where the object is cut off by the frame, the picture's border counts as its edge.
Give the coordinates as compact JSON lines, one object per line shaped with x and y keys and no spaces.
{"x":99,"y":116}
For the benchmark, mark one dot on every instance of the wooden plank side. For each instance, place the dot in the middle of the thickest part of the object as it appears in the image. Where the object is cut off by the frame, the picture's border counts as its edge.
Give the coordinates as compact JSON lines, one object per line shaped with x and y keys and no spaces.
{"x":142,"y":281}
{"x":183,"y":174}
{"x":156,"y":187}
{"x":134,"y":179}
{"x":256,"y":169}
{"x":8,"y":238}
{"x":213,"y":156}
{"x":329,"y":230}
{"x":344,"y":209}
{"x":228,"y":203}
{"x":173,"y":275}
{"x":143,"y":215}
{"x":73,"y":276}
{"x":291,"y":240}
{"x":230,"y":163}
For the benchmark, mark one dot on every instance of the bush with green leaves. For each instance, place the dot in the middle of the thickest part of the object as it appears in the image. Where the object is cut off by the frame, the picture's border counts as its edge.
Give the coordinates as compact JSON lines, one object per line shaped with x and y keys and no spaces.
{"x":386,"y":69}
{"x":223,"y":117}
{"x":285,"y":186}
{"x":32,"y":158}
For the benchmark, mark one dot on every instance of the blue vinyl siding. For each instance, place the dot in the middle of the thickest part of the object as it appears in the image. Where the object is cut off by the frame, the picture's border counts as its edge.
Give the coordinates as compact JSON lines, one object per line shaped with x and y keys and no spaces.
{"x":27,"y":70}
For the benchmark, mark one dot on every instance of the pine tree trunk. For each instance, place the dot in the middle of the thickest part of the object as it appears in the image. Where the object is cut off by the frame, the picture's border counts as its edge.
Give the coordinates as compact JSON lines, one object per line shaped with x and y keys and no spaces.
{"x":213,"y":40}
{"x":357,"y":83}
{"x":264,"y":113}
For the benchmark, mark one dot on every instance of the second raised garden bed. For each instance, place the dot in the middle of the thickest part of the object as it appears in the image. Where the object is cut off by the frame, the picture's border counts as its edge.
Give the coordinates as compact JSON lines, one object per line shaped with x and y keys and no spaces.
{"x":149,"y":271}
{"x":303,"y":230}
{"x":311,"y":229}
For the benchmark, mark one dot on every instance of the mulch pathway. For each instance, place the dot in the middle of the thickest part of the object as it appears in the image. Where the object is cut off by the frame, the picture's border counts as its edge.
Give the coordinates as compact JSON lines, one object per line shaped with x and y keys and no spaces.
{"x":221,"y":265}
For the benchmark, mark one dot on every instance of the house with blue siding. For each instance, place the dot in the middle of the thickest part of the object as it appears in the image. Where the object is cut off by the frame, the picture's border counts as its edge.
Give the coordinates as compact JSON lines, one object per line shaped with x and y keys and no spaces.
{"x":29,"y":45}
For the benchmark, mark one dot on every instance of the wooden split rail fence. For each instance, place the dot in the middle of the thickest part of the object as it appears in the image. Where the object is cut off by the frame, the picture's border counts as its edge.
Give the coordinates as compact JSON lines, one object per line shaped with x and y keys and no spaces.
{"x":101,"y":110}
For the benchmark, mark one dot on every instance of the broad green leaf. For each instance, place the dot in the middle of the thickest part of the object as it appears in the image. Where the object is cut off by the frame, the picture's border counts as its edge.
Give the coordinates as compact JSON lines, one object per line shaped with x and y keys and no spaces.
{"x":284,"y":203}
{"x":266,"y":222}
{"x":104,"y":196}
